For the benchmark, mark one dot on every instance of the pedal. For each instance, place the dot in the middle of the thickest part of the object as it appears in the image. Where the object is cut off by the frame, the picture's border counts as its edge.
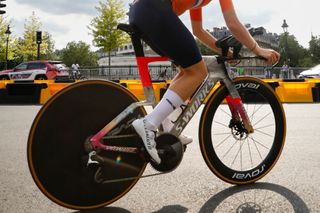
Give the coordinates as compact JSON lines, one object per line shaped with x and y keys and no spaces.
{"x":170,"y":150}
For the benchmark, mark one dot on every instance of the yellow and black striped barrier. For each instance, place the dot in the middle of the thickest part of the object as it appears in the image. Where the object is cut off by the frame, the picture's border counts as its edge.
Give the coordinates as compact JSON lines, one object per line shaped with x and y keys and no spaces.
{"x":38,"y":92}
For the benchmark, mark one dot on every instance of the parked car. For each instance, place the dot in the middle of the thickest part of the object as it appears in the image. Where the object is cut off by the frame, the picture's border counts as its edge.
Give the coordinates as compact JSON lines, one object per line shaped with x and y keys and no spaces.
{"x":314,"y":72}
{"x":35,"y":70}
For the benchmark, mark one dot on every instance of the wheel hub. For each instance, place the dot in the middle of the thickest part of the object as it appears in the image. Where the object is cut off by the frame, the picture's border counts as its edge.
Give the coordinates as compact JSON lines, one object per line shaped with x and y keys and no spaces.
{"x":238,"y":130}
{"x":249,"y":207}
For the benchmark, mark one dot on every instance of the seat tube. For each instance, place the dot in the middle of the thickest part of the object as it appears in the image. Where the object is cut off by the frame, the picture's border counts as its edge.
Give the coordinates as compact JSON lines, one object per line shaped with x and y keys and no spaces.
{"x":142,"y":62}
{"x":149,"y":94}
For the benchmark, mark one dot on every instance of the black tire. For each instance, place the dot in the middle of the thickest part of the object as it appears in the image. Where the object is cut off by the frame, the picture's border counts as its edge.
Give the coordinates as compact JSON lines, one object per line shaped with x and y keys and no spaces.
{"x":56,"y":155}
{"x":41,"y":77}
{"x":229,"y":156}
{"x":4,"y":77}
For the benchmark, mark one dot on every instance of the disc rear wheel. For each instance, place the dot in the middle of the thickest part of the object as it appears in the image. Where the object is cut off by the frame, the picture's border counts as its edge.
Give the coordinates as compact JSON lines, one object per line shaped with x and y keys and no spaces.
{"x":56,"y":155}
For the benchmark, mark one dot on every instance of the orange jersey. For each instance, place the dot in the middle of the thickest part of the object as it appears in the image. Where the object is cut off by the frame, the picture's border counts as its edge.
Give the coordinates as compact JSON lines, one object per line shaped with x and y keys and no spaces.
{"x":195,"y":7}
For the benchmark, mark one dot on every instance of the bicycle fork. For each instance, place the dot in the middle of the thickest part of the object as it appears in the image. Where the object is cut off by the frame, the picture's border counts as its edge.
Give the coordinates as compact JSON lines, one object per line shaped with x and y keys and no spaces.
{"x":235,"y":104}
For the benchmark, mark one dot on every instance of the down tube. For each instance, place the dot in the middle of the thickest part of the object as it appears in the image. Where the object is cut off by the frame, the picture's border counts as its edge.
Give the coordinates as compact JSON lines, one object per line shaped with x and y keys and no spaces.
{"x":193,"y":106}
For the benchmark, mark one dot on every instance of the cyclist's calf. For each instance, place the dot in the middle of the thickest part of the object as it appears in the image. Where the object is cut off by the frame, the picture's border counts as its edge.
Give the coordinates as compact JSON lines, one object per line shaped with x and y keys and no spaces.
{"x":192,"y":77}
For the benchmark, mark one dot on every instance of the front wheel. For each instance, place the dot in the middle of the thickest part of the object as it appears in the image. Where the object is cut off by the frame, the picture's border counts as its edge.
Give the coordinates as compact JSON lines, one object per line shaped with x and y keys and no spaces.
{"x":233,"y":155}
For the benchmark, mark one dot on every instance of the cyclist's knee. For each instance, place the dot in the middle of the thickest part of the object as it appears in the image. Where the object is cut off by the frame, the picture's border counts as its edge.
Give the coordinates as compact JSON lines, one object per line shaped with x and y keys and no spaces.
{"x":198,"y":70}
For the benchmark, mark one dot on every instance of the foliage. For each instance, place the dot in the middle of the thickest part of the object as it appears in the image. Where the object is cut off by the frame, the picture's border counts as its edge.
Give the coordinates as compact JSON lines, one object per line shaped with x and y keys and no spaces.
{"x":27,"y":46}
{"x":296,"y":54}
{"x":314,"y":49}
{"x":78,"y":53}
{"x":3,"y":41}
{"x":104,"y":27}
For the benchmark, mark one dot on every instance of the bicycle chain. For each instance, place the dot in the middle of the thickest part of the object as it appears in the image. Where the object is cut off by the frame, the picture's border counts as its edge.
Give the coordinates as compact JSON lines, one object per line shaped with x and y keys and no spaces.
{"x":124,"y":179}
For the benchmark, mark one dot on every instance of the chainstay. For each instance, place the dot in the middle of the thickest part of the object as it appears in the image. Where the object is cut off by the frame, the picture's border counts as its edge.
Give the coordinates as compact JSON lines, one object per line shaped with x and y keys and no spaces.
{"x":130,"y":178}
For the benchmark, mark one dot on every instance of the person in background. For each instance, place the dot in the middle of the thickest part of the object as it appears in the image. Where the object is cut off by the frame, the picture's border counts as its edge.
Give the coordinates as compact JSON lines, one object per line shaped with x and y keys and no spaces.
{"x":285,"y":71}
{"x":75,"y":71}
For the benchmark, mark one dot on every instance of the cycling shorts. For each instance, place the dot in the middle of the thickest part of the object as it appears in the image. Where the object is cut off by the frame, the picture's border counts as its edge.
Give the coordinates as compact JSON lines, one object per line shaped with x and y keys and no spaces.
{"x":164,"y":32}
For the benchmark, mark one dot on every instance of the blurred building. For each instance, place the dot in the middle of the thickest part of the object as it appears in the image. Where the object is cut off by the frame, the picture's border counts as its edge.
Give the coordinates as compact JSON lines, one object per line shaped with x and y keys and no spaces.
{"x":266,"y":40}
{"x":125,"y":54}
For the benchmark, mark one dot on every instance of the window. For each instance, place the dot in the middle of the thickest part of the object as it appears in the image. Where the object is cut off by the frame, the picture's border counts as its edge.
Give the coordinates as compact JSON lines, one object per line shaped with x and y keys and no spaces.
{"x":33,"y":66}
{"x":60,"y":66}
{"x":22,"y":66}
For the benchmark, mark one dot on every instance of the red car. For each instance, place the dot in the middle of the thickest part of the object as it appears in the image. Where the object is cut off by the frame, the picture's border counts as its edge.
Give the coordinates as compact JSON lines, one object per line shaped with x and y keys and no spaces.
{"x":36,"y":70}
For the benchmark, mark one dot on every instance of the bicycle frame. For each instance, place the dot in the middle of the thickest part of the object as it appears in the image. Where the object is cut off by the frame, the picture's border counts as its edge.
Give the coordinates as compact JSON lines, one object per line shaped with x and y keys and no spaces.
{"x":217,"y":73}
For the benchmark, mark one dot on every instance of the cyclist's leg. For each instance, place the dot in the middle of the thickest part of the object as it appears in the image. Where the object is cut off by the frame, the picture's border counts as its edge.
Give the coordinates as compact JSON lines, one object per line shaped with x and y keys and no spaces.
{"x":168,"y":122}
{"x":156,"y":20}
{"x":192,"y":77}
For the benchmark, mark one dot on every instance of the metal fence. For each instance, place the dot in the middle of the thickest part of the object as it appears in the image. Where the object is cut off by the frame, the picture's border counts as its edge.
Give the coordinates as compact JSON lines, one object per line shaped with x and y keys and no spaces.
{"x":128,"y":72}
{"x":168,"y":72}
{"x":269,"y":72}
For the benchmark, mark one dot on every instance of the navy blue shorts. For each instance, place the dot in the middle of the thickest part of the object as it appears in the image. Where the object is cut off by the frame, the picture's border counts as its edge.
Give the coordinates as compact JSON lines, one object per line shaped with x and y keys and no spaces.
{"x":164,"y":32}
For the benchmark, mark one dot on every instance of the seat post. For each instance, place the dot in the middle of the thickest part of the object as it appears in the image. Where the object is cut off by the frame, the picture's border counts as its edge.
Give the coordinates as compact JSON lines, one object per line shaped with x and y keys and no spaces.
{"x":135,"y":38}
{"x":142,"y":62}
{"x":137,"y":45}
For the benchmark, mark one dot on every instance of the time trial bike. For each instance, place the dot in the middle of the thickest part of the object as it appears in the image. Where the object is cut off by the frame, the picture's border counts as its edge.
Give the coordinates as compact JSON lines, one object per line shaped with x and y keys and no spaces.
{"x":83,"y":152}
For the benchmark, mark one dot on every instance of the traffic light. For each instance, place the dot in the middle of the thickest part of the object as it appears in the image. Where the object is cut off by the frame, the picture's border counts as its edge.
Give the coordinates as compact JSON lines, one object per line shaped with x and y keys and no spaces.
{"x":1,"y":6}
{"x":39,"y":37}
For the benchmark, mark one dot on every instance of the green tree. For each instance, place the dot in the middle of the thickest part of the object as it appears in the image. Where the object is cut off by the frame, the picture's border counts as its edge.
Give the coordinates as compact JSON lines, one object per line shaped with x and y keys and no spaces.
{"x":314,"y":49}
{"x":78,"y":53}
{"x":48,"y":51}
{"x":3,"y":41}
{"x":27,"y":46}
{"x":296,"y":53}
{"x":104,"y":27}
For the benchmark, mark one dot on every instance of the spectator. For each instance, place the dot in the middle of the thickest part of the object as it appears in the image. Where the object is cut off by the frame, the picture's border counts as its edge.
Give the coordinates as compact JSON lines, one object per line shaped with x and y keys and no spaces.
{"x":75,"y":70}
{"x":267,"y":73}
{"x":285,"y":71}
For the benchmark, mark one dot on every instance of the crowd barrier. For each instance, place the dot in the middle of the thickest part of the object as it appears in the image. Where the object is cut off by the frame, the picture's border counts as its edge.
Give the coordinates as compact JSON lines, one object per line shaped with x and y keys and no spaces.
{"x":38,"y":92}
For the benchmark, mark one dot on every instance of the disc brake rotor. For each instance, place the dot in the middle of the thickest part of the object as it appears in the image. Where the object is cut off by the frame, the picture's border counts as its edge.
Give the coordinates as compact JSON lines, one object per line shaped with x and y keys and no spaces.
{"x":238,"y":130}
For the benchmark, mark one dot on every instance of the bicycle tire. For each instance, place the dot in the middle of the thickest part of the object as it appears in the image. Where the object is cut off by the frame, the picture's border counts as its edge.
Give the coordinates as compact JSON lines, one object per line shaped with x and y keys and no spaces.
{"x":224,"y":152}
{"x":56,"y":156}
{"x":83,"y":78}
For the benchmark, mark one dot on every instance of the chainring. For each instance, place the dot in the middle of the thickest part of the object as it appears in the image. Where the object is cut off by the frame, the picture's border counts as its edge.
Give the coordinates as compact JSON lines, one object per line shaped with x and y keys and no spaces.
{"x":170,"y":150}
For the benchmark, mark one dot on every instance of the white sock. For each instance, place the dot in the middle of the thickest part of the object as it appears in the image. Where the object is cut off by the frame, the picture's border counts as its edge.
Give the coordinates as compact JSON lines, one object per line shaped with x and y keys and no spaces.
{"x":169,"y":121}
{"x":165,"y":107}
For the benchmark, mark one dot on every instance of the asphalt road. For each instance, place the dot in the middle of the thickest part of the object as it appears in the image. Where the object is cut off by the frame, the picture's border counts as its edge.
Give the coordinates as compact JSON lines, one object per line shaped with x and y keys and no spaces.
{"x":292,"y":186}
